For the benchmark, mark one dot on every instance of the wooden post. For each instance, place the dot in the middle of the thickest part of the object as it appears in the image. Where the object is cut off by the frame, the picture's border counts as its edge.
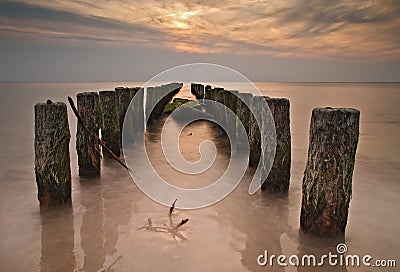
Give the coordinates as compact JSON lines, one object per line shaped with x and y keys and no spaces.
{"x":88,"y":147}
{"x":197,"y":90}
{"x":243,"y":113}
{"x":123,"y":99}
{"x":254,"y":130}
{"x":110,"y":129}
{"x":219,"y":113}
{"x":327,"y":182}
{"x":52,"y":161}
{"x":163,"y":94}
{"x":279,"y":176}
{"x":230,"y":101}
{"x":150,"y":102}
{"x":138,"y":111}
{"x":207,"y":92}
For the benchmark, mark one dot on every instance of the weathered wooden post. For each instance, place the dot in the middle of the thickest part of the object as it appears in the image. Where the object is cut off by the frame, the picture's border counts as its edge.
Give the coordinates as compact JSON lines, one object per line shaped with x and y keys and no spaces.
{"x":133,"y":91}
{"x":219,"y":111}
{"x":230,"y":101}
{"x":124,"y":96}
{"x":254,"y":130}
{"x":279,"y":176}
{"x":52,"y":161}
{"x":110,"y":127}
{"x":138,"y":111}
{"x":243,"y":112}
{"x":87,"y":147}
{"x":207,"y":92}
{"x":197,"y":90}
{"x":327,"y":182}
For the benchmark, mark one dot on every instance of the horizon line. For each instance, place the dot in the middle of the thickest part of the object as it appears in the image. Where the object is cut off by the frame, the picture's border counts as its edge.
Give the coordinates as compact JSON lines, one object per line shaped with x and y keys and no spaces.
{"x":118,"y":81}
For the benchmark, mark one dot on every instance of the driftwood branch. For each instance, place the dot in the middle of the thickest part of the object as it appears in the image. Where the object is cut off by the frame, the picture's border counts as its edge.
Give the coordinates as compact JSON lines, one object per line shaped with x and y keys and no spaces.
{"x":101,"y":142}
{"x":172,"y":229}
{"x":171,"y":209}
{"x":184,"y":221}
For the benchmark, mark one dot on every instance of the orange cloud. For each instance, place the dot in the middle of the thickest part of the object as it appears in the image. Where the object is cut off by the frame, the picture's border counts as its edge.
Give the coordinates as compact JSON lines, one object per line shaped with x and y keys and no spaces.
{"x":284,"y":28}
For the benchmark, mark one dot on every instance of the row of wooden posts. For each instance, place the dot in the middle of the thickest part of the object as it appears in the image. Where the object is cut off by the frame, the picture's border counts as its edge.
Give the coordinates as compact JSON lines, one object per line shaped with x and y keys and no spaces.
{"x":104,"y":110}
{"x":327,"y":182}
{"x":246,"y":106}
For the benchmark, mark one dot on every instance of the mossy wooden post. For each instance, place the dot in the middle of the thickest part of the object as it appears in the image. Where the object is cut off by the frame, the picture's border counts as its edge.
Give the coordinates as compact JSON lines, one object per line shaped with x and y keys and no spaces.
{"x":137,"y":114}
{"x":193,"y":89}
{"x":52,"y":161}
{"x":138,"y":111}
{"x":230,"y":101}
{"x":197,"y":90}
{"x":279,"y":177}
{"x":243,"y":113}
{"x":150,"y":103}
{"x":87,"y":147}
{"x":254,"y":130}
{"x":123,"y":99}
{"x":110,"y":127}
{"x":202,"y":92}
{"x":207,"y":92}
{"x":219,"y":111}
{"x":327,"y":182}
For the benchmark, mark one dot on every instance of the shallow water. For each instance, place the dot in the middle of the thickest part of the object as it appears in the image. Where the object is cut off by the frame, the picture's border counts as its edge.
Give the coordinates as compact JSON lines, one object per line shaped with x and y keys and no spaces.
{"x":99,"y":231}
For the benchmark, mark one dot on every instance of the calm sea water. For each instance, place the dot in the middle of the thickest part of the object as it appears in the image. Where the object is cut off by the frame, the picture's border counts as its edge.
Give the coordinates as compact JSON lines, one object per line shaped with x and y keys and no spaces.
{"x":98,"y":233}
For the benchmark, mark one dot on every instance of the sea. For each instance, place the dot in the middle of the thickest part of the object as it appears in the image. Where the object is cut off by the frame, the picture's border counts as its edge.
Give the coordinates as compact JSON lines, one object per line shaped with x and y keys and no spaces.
{"x":101,"y":230}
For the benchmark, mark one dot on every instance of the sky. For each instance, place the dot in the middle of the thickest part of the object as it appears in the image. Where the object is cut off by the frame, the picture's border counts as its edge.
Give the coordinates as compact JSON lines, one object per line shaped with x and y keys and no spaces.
{"x":275,"y":40}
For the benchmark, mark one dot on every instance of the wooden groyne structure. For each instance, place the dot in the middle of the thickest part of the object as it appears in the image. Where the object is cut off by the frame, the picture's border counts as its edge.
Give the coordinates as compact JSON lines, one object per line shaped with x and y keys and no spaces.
{"x":327,"y":182}
{"x":249,"y":109}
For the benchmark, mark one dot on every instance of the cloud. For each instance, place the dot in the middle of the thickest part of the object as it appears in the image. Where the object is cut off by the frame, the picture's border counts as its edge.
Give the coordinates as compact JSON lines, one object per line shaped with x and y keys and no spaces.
{"x":303,"y":28}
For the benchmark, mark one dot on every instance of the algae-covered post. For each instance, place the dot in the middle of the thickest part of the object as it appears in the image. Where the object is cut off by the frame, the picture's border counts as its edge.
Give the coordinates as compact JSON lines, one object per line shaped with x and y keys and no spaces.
{"x":124,"y":96}
{"x":138,"y":111}
{"x":110,"y":128}
{"x":254,"y":130}
{"x":279,"y":176}
{"x":52,"y":161}
{"x":327,"y":182}
{"x":88,"y":147}
{"x":230,"y":101}
{"x":197,"y":90}
{"x":243,"y":113}
{"x":207,"y":92}
{"x":218,"y":110}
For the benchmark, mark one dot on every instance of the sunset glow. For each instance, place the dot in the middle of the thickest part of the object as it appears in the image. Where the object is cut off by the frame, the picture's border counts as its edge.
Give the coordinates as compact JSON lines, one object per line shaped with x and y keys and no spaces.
{"x":360,"y":31}
{"x":300,"y":28}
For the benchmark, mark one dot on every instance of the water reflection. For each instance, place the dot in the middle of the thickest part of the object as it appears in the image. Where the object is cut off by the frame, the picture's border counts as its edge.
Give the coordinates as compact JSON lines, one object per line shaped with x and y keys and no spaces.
{"x":315,"y":246}
{"x":108,"y":207}
{"x":263,"y":218}
{"x":57,"y":239}
{"x":92,"y":230}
